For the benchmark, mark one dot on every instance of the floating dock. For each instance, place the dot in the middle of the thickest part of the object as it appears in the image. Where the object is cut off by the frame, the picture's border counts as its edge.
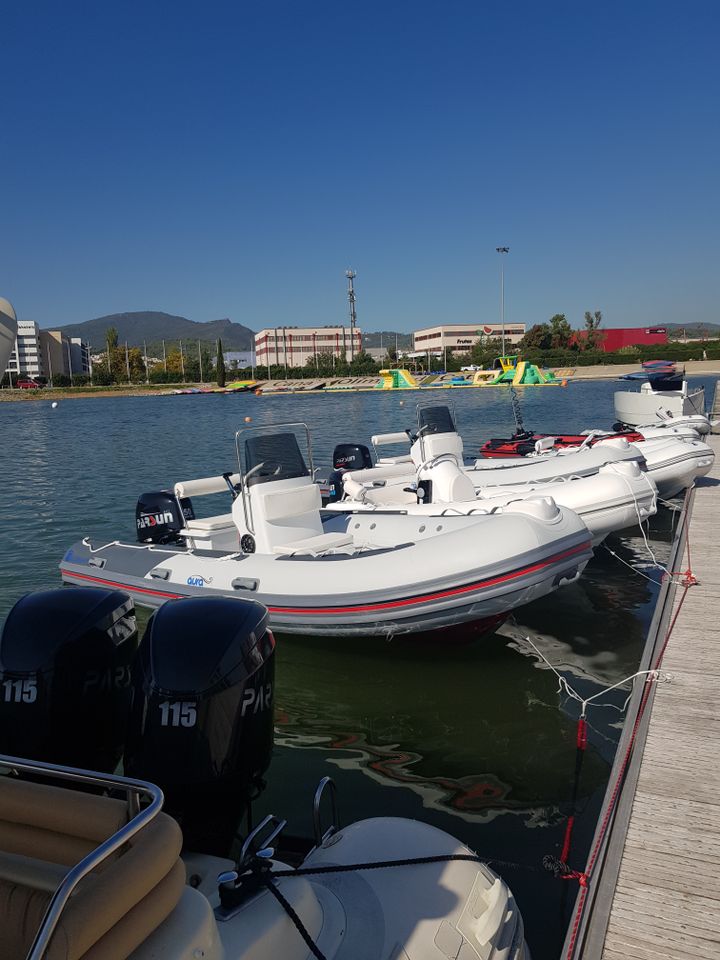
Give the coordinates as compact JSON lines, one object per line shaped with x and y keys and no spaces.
{"x":651,"y":888}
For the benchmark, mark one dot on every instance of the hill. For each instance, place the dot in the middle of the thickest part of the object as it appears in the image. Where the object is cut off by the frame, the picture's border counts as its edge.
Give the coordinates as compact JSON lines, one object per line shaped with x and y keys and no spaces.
{"x":153,"y":326}
{"x":693,"y":330}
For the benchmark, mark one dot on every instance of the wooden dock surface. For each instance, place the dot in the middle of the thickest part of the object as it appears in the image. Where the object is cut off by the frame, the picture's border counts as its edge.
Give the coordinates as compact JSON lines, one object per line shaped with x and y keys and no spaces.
{"x":667,"y":900}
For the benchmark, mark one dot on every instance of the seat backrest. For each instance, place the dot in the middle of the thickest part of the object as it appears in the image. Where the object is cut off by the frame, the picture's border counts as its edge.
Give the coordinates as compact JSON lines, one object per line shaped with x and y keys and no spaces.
{"x":279,"y":512}
{"x":45,"y":830}
{"x":432,"y":445}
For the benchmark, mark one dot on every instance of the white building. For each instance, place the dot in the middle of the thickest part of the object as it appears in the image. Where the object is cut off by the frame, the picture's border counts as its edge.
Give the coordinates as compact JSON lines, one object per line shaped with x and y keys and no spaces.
{"x":461,"y":337}
{"x":47,"y":353}
{"x":294,"y":346}
{"x":80,"y":362}
{"x":26,"y":358}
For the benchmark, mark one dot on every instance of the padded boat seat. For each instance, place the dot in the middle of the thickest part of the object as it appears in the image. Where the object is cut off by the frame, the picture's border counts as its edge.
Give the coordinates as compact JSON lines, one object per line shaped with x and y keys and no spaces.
{"x":45,"y":830}
{"x":210,"y":523}
{"x":314,"y":545}
{"x":391,"y":494}
{"x":389,"y":461}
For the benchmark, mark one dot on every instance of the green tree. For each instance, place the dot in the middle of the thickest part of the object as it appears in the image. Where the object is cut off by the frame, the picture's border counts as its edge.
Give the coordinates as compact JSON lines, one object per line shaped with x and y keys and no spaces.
{"x":111,"y":337}
{"x":363,"y":364}
{"x":593,"y":336}
{"x":561,"y":332}
{"x":220,"y":367}
{"x":538,"y":337}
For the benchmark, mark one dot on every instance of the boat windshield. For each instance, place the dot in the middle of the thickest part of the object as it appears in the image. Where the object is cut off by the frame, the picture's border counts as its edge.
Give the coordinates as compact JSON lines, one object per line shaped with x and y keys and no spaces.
{"x":274,"y":456}
{"x":435,"y":420}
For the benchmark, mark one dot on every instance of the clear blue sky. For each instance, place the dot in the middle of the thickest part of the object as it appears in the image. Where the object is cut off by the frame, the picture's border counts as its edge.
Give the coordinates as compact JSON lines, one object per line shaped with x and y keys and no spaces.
{"x":232,"y":159}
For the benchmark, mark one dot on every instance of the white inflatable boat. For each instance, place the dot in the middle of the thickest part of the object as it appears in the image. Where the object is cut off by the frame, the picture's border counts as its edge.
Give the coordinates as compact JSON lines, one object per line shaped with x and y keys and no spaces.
{"x":95,"y":865}
{"x":338,"y":575}
{"x":673,"y":462}
{"x":617,"y":496}
{"x":661,"y":398}
{"x":666,"y":423}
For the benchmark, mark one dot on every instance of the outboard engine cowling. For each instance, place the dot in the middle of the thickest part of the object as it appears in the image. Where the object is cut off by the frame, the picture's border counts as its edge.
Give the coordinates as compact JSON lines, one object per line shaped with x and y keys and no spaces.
{"x":202,"y":717}
{"x":346,"y":456}
{"x":159,"y":517}
{"x":65,"y":676}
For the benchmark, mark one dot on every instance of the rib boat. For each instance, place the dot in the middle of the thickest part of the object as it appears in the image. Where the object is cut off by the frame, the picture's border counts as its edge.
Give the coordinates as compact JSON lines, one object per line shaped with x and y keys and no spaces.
{"x":139,"y":867}
{"x":671,"y":462}
{"x":337,"y":575}
{"x":617,"y":496}
{"x":662,"y":396}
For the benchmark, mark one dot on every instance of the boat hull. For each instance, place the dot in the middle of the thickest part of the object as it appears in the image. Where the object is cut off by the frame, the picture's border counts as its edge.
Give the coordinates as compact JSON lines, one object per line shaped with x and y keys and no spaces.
{"x":635,"y":408}
{"x":379,"y":593}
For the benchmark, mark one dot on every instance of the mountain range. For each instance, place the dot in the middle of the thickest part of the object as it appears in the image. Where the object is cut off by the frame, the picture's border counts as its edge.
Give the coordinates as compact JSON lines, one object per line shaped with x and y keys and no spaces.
{"x":152,"y":327}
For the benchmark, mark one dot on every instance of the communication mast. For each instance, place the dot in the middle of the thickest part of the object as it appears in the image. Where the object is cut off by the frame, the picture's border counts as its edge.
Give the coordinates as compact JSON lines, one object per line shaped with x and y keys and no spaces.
{"x":351,"y":274}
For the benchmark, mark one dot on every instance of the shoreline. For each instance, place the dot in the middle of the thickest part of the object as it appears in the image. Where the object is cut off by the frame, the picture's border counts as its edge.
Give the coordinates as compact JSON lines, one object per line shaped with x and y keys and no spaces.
{"x":693,"y":368}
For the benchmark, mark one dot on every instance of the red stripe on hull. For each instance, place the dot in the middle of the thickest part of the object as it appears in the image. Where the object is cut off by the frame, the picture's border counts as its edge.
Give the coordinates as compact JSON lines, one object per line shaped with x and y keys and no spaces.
{"x":364,"y":608}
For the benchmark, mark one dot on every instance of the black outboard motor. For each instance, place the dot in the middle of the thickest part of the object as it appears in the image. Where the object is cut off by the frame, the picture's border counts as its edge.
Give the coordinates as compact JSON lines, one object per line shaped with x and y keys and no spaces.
{"x":202,"y":718}
{"x":65,"y":677}
{"x":159,"y":517}
{"x":346,"y":456}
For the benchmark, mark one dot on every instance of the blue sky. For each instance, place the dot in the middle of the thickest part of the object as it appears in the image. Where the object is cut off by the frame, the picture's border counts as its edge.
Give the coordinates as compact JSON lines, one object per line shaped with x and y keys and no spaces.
{"x":233,"y":159}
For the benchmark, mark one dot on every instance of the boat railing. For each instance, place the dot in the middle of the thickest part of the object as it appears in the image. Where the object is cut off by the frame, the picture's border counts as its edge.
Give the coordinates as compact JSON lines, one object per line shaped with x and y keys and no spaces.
{"x":135,"y":790}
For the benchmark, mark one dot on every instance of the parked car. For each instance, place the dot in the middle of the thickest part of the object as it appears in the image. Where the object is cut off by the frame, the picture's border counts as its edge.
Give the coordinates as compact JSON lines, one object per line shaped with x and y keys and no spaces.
{"x":27,"y":383}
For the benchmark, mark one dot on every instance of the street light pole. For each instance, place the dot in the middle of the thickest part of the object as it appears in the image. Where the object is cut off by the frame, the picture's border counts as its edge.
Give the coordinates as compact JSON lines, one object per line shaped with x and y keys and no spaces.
{"x":501,"y":251}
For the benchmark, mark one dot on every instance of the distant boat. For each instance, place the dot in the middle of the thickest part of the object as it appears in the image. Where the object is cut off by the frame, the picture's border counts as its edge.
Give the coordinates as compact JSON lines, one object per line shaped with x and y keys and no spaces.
{"x":664,"y":395}
{"x":8,"y":332}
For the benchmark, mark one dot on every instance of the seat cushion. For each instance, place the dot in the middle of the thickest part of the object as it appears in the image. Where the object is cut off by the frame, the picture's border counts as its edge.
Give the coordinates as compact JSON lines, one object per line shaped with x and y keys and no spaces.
{"x":211,"y":523}
{"x":314,"y":545}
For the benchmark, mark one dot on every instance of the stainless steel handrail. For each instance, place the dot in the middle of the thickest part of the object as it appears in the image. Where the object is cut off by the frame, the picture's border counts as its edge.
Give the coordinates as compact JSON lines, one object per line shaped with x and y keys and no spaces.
{"x":134,"y":789}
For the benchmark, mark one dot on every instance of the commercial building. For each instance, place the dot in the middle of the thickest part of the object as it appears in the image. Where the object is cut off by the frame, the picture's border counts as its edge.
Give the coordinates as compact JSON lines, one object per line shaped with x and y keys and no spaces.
{"x":461,"y":337}
{"x":294,"y":346}
{"x":238,"y":359}
{"x":46,"y":353}
{"x":618,"y":337}
{"x":80,"y":362}
{"x":26,"y":360}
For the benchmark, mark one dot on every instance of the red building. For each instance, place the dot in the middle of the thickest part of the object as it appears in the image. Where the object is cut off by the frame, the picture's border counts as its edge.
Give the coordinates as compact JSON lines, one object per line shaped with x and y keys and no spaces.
{"x":618,"y":337}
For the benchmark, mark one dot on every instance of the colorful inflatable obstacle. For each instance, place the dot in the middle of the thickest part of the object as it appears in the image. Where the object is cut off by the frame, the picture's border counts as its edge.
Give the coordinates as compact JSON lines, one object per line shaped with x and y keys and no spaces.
{"x":520,"y":373}
{"x":396,"y":380}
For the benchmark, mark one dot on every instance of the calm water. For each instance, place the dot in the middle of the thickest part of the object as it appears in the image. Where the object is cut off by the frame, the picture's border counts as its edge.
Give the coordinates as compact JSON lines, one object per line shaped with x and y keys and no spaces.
{"x":474,"y":739}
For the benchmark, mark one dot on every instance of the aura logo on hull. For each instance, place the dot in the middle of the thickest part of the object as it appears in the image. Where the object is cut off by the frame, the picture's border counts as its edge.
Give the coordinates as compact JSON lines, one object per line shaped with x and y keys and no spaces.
{"x":194,"y":580}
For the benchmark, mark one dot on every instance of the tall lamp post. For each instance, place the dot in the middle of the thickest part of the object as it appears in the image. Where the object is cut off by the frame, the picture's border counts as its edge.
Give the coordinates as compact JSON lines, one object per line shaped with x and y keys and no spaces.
{"x":501,"y":251}
{"x":351,"y":274}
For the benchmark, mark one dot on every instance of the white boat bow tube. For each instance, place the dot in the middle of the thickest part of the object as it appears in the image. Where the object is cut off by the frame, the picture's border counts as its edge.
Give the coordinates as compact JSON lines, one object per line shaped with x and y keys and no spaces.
{"x":336,"y":575}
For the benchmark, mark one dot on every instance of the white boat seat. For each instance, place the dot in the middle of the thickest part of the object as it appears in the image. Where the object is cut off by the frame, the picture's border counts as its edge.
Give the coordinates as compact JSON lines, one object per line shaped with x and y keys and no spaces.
{"x":208,"y":524}
{"x":281,"y":504}
{"x":405,"y":458}
{"x":314,"y":545}
{"x":390,"y":495}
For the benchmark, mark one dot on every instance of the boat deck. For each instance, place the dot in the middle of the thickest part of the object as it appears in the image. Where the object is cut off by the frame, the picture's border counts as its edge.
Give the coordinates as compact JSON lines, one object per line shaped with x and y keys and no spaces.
{"x":666,"y":901}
